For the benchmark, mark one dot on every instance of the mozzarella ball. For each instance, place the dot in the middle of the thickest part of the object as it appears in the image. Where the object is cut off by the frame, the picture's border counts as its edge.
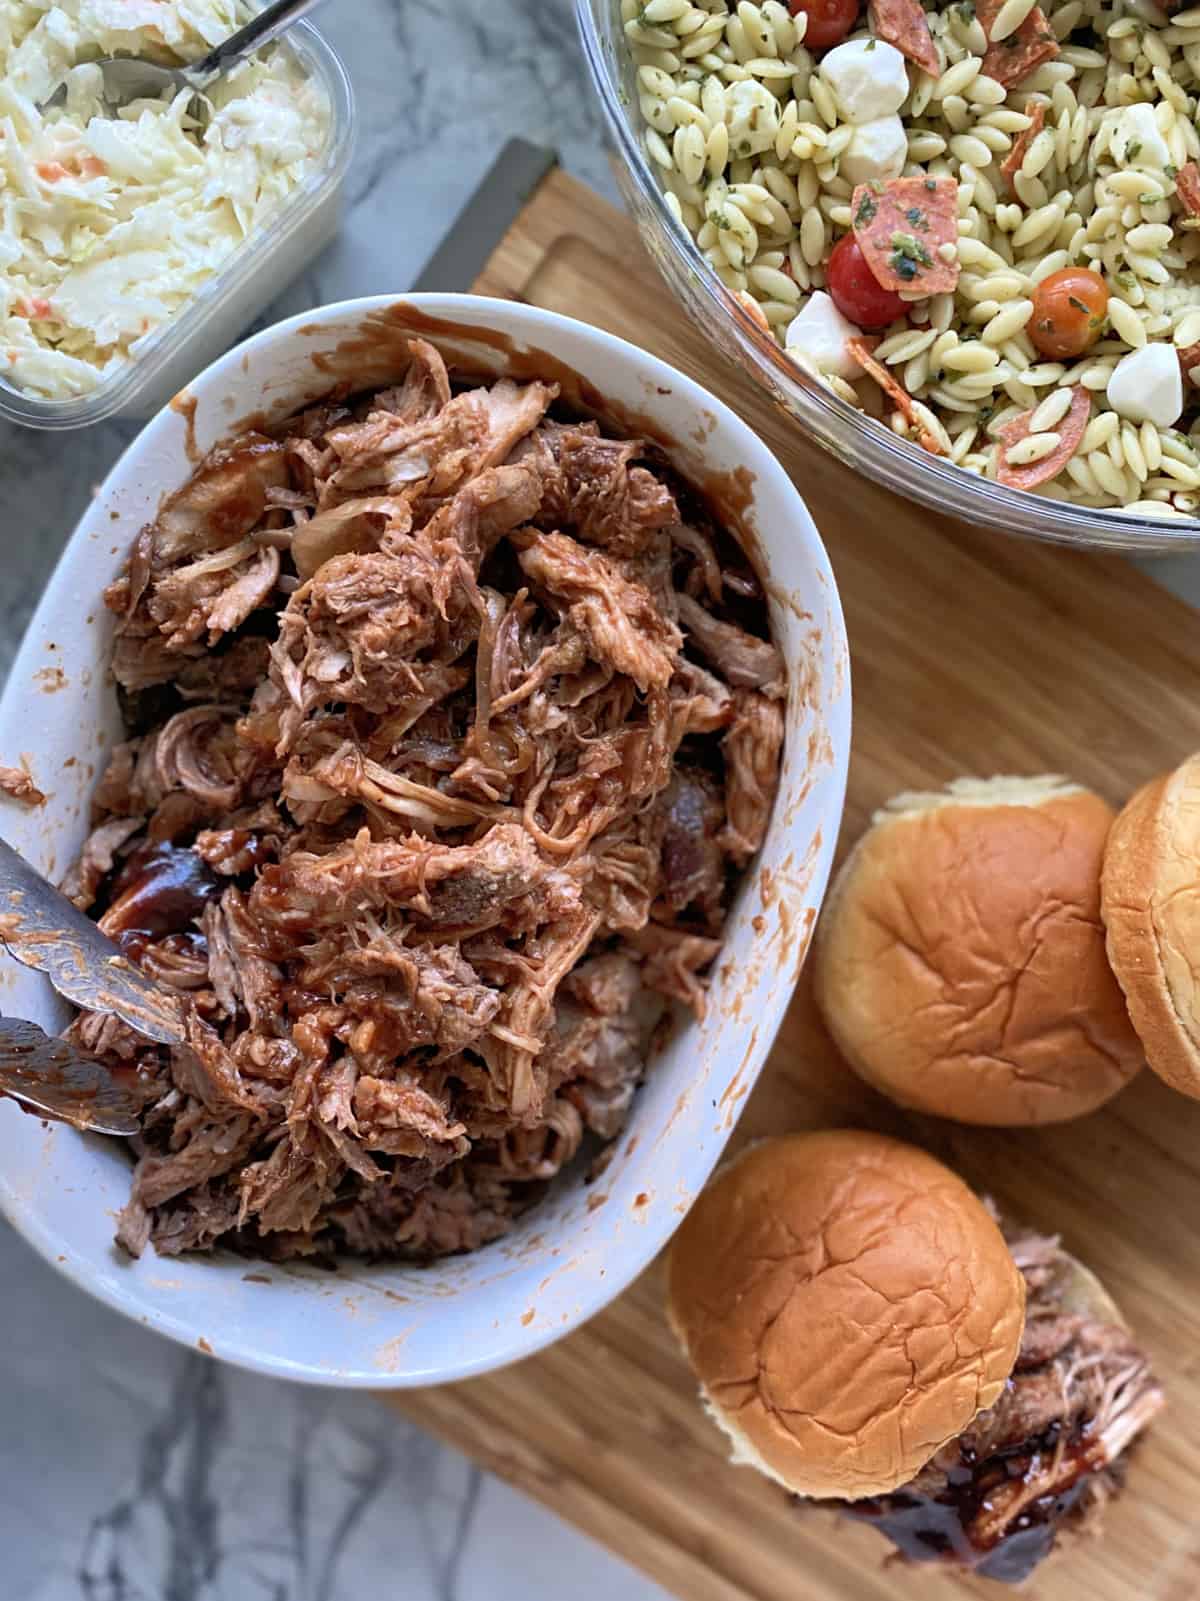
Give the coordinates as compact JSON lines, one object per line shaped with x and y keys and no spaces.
{"x":877,"y":149}
{"x":868,"y":77}
{"x":820,"y":332}
{"x":1147,"y":386}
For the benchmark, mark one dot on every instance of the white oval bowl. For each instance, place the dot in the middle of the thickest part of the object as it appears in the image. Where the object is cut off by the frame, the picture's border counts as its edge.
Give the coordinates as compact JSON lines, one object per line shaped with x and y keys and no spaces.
{"x":394,"y":1326}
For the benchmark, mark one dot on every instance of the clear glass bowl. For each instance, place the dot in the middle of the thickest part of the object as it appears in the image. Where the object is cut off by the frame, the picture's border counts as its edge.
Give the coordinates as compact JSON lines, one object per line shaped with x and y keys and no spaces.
{"x":252,"y":277}
{"x":867,"y":446}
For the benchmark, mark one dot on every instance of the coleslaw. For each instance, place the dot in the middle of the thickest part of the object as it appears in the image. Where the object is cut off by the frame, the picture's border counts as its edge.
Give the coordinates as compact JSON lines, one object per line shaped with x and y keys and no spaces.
{"x":109,"y":225}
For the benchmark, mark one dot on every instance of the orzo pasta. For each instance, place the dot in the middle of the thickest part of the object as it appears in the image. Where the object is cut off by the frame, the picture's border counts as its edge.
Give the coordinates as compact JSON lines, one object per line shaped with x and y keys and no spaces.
{"x":999,"y":259}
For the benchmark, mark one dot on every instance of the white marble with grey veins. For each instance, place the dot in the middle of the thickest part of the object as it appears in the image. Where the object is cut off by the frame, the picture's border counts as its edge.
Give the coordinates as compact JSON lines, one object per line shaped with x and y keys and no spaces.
{"x":133,"y":1470}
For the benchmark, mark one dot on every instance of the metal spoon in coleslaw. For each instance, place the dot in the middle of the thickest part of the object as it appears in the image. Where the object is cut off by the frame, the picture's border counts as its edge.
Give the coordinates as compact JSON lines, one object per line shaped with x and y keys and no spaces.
{"x":109,"y":225}
{"x":124,"y":79}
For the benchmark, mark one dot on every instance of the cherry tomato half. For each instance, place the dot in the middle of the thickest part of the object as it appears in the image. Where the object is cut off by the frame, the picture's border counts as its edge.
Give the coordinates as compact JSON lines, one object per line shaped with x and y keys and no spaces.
{"x":1069,"y":308}
{"x":829,"y":21}
{"x":855,"y":290}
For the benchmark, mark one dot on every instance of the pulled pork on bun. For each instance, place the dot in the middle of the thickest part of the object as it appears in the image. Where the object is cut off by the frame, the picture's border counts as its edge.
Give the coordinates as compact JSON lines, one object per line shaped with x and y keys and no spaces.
{"x":865,"y":1331}
{"x":1151,"y":906}
{"x":960,"y":963}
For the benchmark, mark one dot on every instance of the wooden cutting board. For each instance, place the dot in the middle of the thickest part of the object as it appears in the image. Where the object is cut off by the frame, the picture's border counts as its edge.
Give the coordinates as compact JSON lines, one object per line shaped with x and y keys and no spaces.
{"x":971,"y":654}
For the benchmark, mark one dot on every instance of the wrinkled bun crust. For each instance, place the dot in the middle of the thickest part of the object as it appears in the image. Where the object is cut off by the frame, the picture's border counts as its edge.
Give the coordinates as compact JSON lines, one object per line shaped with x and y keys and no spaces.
{"x":960,"y":962}
{"x":1151,"y":905}
{"x":848,"y":1306}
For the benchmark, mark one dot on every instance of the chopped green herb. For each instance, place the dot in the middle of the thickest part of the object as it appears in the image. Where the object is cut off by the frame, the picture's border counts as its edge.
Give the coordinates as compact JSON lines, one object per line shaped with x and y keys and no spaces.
{"x":917,"y":217}
{"x":1171,"y":171}
{"x":871,"y":44}
{"x":911,"y":249}
{"x":875,"y":186}
{"x":931,"y":185}
{"x":1133,"y":149}
{"x":866,"y":211}
{"x":1080,"y":305}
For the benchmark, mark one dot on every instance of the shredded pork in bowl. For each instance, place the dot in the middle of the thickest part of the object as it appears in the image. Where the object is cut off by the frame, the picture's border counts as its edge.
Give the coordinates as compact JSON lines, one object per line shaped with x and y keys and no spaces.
{"x":453,"y":723}
{"x":409,"y":1317}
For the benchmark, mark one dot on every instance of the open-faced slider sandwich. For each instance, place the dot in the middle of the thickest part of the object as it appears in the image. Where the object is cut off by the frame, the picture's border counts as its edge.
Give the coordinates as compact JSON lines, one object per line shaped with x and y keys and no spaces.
{"x":867,"y":1333}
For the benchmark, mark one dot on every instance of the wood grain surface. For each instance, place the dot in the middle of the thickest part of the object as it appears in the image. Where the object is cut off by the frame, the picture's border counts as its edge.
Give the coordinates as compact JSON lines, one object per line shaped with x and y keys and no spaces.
{"x":971,"y":654}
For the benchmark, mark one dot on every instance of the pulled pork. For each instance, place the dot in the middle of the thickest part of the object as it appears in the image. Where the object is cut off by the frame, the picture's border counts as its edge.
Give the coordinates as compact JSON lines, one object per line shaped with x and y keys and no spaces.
{"x":1046,"y":1456}
{"x":16,"y":783}
{"x":450,"y":726}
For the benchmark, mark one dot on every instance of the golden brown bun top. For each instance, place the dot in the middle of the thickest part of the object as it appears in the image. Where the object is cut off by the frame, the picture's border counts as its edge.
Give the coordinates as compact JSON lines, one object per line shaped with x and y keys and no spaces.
{"x":848,"y":1306}
{"x":960,"y":962}
{"x":1151,"y":904}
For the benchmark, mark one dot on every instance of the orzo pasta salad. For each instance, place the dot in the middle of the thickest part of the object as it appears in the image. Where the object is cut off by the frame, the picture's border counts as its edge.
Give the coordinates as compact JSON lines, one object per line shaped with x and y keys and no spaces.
{"x":979,"y":222}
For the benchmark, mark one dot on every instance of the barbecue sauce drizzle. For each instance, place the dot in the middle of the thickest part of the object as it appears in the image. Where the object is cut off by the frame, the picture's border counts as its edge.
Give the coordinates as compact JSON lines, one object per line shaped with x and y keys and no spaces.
{"x":159,"y":890}
{"x":937,"y":1528}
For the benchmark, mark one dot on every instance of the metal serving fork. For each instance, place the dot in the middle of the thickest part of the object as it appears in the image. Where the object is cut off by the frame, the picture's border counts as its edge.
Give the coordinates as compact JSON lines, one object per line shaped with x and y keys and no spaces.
{"x":42,"y":929}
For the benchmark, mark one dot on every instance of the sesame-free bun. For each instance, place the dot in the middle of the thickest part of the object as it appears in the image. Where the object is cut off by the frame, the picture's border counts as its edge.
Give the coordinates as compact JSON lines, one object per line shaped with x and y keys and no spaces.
{"x":960,"y":962}
{"x":848,"y":1305}
{"x":1151,"y":907}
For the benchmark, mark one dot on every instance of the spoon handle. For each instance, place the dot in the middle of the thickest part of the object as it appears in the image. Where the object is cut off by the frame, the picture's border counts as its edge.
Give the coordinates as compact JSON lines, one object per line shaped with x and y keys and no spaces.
{"x":267,"y":25}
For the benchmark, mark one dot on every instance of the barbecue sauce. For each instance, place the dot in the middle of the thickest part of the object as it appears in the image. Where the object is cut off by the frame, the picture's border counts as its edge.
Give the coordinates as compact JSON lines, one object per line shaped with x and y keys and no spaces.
{"x":161,"y":889}
{"x":937,"y":1528}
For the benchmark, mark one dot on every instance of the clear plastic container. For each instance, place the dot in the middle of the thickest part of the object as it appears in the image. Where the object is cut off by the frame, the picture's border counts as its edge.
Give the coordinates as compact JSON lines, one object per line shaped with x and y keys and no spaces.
{"x":252,"y":277}
{"x":867,"y":446}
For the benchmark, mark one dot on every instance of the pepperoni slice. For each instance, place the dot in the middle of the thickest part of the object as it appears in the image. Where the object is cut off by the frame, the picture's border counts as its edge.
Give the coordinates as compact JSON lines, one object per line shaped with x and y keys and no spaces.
{"x":1189,"y":360}
{"x":1070,"y":431}
{"x":1187,"y":187}
{"x":1012,"y":59}
{"x":902,"y":226}
{"x":1011,"y":165}
{"x":902,"y":23}
{"x":861,"y":350}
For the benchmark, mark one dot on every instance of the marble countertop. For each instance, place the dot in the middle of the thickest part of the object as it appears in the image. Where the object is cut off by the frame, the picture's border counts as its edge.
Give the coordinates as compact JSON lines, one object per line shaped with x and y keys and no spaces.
{"x":133,"y":1470}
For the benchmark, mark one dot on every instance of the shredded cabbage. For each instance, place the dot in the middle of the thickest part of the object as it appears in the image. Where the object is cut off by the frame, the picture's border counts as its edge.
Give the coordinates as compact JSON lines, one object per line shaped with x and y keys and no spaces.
{"x":109,"y":225}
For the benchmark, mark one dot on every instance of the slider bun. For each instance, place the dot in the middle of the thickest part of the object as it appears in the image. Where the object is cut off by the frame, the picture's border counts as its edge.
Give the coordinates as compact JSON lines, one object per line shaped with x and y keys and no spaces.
{"x":848,"y":1306}
{"x":960,"y":962}
{"x":1151,"y":906}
